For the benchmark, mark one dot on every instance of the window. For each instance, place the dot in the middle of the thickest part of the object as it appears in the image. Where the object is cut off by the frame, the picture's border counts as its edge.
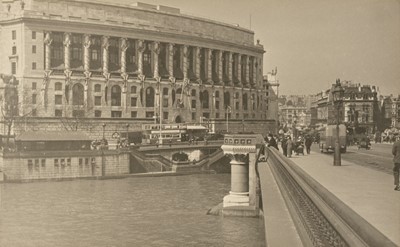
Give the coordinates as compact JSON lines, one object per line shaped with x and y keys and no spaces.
{"x":193,"y":93}
{"x":133,"y":89}
{"x":58,"y":86}
{"x":193,"y":116}
{"x":97,"y":113}
{"x":58,"y":99}
{"x":97,"y":88}
{"x":33,"y":34}
{"x":149,"y":114}
{"x":69,"y":162}
{"x":194,"y":104}
{"x":165,"y":115}
{"x":133,"y":114}
{"x":77,"y":94}
{"x":56,"y":164}
{"x":133,"y":101}
{"x":14,"y":50}
{"x":216,"y":104}
{"x":13,"y":68}
{"x":33,"y":66}
{"x":116,"y":95}
{"x":97,"y":100}
{"x":116,"y":114}
{"x":34,"y":85}
{"x":33,"y":98}
{"x":34,"y":49}
{"x":43,"y":162}
{"x":216,"y":115}
{"x":30,"y":166}
{"x":58,"y":113}
{"x":14,"y":34}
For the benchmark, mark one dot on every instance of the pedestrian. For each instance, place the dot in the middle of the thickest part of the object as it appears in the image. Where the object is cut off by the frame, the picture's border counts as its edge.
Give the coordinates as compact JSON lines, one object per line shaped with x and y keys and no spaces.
{"x":284,"y":145}
{"x":308,"y":143}
{"x":396,"y":160}
{"x":290,"y":145}
{"x":272,"y":142}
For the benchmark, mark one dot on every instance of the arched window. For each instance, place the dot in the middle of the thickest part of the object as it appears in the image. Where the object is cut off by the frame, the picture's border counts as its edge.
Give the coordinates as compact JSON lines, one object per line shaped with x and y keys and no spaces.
{"x":216,"y":94}
{"x":58,"y":86}
{"x":204,"y":99}
{"x":77,"y":94}
{"x":165,"y":91}
{"x":97,"y":88}
{"x":115,"y":95}
{"x":149,"y":97}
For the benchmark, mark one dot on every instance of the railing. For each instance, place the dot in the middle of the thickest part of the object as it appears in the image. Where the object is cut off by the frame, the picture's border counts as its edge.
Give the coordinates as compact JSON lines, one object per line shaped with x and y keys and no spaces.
{"x":320,"y":217}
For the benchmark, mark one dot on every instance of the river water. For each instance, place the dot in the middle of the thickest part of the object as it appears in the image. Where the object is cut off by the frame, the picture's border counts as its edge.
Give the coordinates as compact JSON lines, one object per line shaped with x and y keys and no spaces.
{"x":147,"y":211}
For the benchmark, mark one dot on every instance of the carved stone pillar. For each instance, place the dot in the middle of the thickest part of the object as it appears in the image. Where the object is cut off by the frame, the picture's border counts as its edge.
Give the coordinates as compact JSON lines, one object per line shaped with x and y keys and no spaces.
{"x":86,"y":52}
{"x":105,"y":45}
{"x":239,"y":69}
{"x":124,"y":47}
{"x":140,"y":48}
{"x":242,"y":149}
{"x":156,"y":53}
{"x":67,"y":51}
{"x":47,"y":41}
{"x":220,"y":57}
{"x":171,"y":62}
{"x":198,"y":61}
{"x":185,"y":62}
{"x":247,"y":65}
{"x":230,"y":56}
{"x":254,"y":70}
{"x":209,"y":65}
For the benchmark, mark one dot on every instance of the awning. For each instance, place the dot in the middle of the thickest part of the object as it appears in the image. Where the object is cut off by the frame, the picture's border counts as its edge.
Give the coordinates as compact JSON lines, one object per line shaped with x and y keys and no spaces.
{"x":52,"y":136}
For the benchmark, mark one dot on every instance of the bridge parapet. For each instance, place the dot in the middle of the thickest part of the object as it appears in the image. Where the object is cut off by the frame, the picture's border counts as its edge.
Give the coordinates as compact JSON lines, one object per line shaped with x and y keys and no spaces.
{"x":243,"y":199}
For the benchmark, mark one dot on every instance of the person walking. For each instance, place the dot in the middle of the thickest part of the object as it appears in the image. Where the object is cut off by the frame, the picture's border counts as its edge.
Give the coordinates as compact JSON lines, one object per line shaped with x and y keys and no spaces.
{"x":272,"y":142}
{"x":308,"y":143}
{"x":290,"y":145}
{"x":396,"y":160}
{"x":284,"y":145}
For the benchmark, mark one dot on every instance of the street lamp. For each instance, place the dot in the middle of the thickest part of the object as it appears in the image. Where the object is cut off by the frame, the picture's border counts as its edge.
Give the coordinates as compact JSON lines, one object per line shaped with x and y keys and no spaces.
{"x":127,"y":135}
{"x":337,"y":95}
{"x":228,"y":110}
{"x":104,"y":129}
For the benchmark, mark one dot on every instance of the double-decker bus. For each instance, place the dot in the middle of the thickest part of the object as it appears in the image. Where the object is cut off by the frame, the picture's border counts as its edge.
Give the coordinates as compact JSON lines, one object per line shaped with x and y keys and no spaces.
{"x":171,"y":133}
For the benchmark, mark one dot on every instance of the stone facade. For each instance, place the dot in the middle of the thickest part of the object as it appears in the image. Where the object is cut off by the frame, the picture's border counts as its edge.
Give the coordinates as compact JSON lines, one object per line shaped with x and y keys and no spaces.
{"x":22,"y":166}
{"x":127,"y":64}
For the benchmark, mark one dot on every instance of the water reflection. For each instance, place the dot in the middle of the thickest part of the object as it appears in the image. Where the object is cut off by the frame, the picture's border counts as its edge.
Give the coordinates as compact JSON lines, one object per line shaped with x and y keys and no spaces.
{"x":162,"y":211}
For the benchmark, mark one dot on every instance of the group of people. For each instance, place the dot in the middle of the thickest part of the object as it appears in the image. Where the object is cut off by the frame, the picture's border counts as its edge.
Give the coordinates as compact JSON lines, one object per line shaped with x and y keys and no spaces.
{"x":289,"y":146}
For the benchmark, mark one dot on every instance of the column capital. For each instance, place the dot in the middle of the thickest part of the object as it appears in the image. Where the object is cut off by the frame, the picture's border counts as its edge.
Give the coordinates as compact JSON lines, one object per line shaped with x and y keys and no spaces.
{"x":140,"y":45}
{"x":124,"y":44}
{"x":156,"y":47}
{"x":86,"y":41}
{"x":105,"y":42}
{"x":67,"y":39}
{"x":47,"y":38}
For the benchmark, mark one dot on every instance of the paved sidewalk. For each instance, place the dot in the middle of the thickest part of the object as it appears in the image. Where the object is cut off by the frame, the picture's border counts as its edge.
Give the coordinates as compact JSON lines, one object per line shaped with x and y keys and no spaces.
{"x":368,"y":192}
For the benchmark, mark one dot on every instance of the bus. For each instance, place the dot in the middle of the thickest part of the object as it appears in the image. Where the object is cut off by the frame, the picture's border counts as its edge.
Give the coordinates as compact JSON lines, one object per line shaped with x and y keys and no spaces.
{"x":328,"y":138}
{"x":172,"y":133}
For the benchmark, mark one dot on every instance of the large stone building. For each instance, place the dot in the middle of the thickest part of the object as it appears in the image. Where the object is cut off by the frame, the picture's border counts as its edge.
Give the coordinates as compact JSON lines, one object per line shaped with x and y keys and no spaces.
{"x":359,"y":109}
{"x":78,"y":65}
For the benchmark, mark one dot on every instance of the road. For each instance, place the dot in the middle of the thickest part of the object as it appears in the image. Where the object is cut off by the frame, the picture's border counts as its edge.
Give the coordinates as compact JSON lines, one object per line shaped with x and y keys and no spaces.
{"x":379,"y":157}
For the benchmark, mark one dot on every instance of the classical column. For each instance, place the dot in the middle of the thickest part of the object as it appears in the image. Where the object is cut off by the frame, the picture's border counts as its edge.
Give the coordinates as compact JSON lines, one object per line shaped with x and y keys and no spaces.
{"x":239,"y":69}
{"x":220,"y":76}
{"x":140,"y":48}
{"x":209,"y":64}
{"x":67,"y":51}
{"x":247,"y":64}
{"x":185,"y":62}
{"x":198,"y":61}
{"x":86,"y":52}
{"x":105,"y":45}
{"x":124,"y":47}
{"x":156,"y":52}
{"x":171,"y":62}
{"x":230,"y":56}
{"x":254,"y":70}
{"x":47,"y":41}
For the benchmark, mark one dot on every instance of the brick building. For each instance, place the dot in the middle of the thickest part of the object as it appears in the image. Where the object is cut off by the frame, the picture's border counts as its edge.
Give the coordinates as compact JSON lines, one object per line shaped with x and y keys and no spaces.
{"x":81,"y":64}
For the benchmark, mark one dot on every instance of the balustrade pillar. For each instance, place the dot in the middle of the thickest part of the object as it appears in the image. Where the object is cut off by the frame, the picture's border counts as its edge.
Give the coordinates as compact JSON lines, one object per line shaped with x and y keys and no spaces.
{"x":47,"y":60}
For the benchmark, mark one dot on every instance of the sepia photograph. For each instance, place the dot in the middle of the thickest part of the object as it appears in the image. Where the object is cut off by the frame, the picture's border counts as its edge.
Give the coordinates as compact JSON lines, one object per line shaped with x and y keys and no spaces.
{"x":215,"y":123}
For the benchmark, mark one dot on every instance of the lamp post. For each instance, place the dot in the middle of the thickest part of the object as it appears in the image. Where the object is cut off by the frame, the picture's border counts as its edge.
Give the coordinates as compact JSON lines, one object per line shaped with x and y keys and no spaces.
{"x":104,"y":129}
{"x":337,"y":95}
{"x":127,"y":135}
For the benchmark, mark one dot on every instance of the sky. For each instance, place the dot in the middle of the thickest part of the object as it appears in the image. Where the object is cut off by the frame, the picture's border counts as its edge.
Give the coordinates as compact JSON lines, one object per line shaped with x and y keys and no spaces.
{"x":314,"y":42}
